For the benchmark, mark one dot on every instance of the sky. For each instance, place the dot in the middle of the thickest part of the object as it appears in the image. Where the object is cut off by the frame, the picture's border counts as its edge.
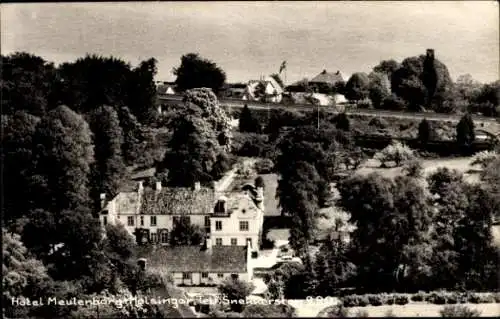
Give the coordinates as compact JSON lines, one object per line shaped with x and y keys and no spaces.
{"x":251,"y":39}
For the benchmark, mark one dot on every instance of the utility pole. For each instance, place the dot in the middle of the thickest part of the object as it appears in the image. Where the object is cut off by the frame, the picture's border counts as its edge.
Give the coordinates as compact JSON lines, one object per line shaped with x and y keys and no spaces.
{"x":318,"y":116}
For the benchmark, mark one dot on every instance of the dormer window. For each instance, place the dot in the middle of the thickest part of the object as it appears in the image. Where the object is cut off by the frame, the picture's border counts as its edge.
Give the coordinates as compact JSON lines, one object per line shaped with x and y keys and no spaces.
{"x":220,"y":207}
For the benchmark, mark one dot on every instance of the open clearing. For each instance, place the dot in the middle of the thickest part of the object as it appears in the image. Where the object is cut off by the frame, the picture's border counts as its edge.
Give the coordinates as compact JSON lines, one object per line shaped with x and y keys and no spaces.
{"x":461,"y":164}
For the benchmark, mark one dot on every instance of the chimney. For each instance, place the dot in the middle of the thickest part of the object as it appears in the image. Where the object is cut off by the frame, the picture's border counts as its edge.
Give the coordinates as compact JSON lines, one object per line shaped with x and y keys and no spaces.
{"x":158,"y":187}
{"x":103,"y":200}
{"x":430,"y":53}
{"x":197,"y":186}
{"x":324,"y":72}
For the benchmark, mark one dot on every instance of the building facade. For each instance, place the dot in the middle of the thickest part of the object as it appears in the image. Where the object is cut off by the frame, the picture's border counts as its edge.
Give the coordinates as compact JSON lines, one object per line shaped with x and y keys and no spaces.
{"x":150,"y":214}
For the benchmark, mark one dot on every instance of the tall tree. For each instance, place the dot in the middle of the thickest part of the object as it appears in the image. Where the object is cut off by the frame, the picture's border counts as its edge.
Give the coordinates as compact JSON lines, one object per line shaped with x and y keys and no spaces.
{"x":17,"y":158}
{"x":379,"y":88}
{"x":26,"y":83}
{"x":133,"y":137}
{"x":142,"y":97}
{"x":247,"y":122}
{"x":465,"y":131}
{"x":62,"y":157}
{"x":109,"y":166}
{"x":197,"y":72}
{"x":357,"y":87}
{"x":387,"y":67}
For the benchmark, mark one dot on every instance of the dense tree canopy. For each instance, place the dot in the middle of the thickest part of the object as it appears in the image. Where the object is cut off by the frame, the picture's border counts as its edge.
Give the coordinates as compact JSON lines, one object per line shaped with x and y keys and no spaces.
{"x":109,"y":167}
{"x":387,"y":67}
{"x":422,"y":82}
{"x":27,"y":83}
{"x":357,"y":87}
{"x":197,"y":72}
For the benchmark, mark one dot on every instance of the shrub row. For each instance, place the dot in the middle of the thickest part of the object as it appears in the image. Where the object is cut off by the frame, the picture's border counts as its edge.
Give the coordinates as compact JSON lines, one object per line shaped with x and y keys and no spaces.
{"x":437,"y":297}
{"x":375,"y":300}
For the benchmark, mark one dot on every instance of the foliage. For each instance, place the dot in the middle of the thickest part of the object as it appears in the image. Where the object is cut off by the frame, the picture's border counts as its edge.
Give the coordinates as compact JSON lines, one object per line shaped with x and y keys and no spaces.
{"x":22,"y":275}
{"x":394,"y":102}
{"x":142,"y":101}
{"x":337,"y":311}
{"x":17,"y":158}
{"x":424,"y":132}
{"x":109,"y":167}
{"x":233,"y":289}
{"x":268,"y":311}
{"x":185,"y":233}
{"x":264,"y":166}
{"x":422,"y":81}
{"x":62,"y":159}
{"x":341,"y":122}
{"x":387,"y":67}
{"x":465,"y":131}
{"x":379,"y":123}
{"x":414,"y":168}
{"x":134,"y":139}
{"x":259,"y":182}
{"x":395,"y":152}
{"x":223,"y":164}
{"x":247,"y":122}
{"x":26,"y":84}
{"x":459,"y":311}
{"x":332,"y":267}
{"x":379,"y":88}
{"x":197,"y":72}
{"x":200,"y":135}
{"x":357,"y":87}
{"x":484,"y":158}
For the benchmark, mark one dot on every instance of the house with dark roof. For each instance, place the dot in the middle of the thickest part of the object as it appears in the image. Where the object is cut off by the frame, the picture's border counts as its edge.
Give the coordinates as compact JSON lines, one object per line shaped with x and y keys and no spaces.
{"x":150,"y":214}
{"x":327,"y":78}
{"x":203,"y":265}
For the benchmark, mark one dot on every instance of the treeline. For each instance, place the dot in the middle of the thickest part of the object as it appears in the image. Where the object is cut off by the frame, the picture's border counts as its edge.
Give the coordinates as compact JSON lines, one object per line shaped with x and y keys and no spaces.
{"x":68,"y":135}
{"x":411,"y":233}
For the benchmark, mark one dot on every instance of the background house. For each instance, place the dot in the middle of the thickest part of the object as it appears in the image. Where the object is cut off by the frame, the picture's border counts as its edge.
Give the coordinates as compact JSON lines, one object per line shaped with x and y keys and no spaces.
{"x":265,"y":90}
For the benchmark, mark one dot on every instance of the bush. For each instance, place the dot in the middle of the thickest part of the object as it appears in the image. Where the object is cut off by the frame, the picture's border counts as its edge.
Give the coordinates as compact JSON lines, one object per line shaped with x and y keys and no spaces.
{"x":458,"y":311}
{"x":453,"y":298}
{"x":264,"y":166}
{"x":474,"y":298}
{"x":350,"y":301}
{"x":497,"y":297}
{"x":395,"y":152}
{"x":420,"y":296}
{"x":338,"y":311}
{"x":402,"y":300}
{"x":363,"y":301}
{"x":438,"y":298}
{"x":376,"y":300}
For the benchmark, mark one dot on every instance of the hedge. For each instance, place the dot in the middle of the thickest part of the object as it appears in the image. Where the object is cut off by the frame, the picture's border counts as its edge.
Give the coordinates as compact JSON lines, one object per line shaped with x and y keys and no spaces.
{"x":436,"y":297}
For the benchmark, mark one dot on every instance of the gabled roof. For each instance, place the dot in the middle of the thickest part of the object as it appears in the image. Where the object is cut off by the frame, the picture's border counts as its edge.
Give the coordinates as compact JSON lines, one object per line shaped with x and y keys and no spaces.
{"x":178,"y":201}
{"x":223,"y":259}
{"x":326,"y":77}
{"x":163,"y":88}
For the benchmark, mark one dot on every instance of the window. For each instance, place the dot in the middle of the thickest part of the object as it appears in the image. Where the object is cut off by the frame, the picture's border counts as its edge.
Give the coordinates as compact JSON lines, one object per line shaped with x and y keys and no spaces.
{"x":234,"y":241}
{"x":186,"y":275}
{"x":218,"y":225}
{"x":234,"y":276}
{"x":164,"y":237}
{"x":153,"y":220}
{"x":154,"y":237}
{"x":220,"y":275}
{"x":104,"y":220}
{"x":220,"y":207}
{"x":142,"y":220}
{"x":204,"y":275}
{"x":218,"y":241}
{"x":130,"y":220}
{"x":176,"y":219}
{"x":207,"y":221}
{"x":244,"y":225}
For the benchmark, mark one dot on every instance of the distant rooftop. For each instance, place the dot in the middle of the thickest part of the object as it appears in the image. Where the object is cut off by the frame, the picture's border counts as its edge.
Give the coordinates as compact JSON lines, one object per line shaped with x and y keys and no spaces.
{"x":329,"y":78}
{"x":178,"y":201}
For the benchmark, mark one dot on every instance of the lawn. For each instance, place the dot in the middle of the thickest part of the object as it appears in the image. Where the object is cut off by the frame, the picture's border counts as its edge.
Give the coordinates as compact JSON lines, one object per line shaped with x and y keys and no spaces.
{"x":461,"y":164}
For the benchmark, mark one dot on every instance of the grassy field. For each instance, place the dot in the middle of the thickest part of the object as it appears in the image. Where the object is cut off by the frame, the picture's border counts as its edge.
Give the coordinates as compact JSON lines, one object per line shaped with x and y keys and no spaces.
{"x":461,"y":164}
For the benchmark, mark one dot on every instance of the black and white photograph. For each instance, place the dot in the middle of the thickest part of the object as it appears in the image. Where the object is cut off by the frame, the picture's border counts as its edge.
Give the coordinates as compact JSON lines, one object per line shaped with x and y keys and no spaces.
{"x":234,"y":159}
